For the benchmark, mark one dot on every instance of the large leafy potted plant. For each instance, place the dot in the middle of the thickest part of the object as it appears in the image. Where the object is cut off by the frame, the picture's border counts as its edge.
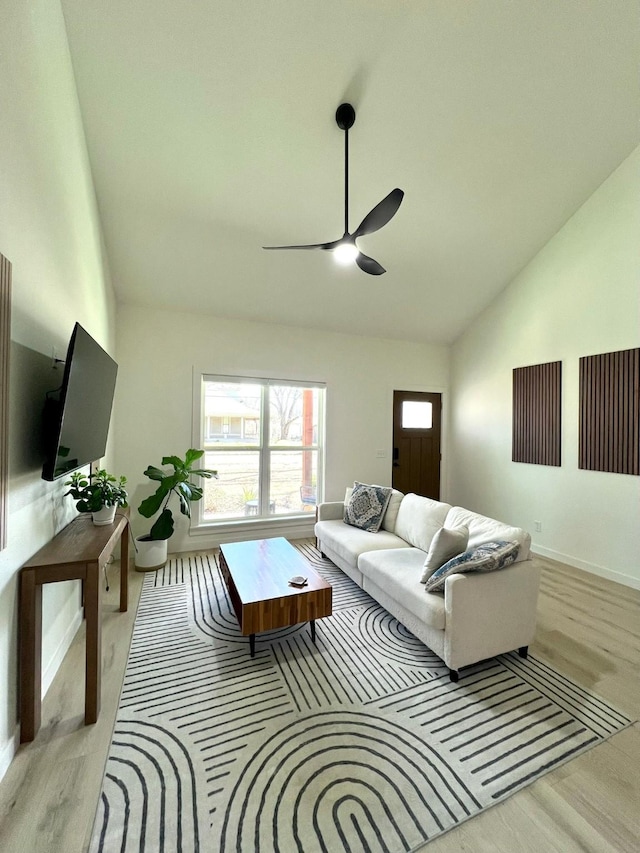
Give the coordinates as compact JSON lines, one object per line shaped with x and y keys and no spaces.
{"x":151,"y":549}
{"x":101,"y":494}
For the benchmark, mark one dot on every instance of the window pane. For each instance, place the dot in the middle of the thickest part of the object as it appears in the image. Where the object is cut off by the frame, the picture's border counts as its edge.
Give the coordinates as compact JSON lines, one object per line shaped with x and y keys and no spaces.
{"x":417,"y":415}
{"x":235,"y":493}
{"x":293,"y":415}
{"x":293,"y":481}
{"x":232,"y":413}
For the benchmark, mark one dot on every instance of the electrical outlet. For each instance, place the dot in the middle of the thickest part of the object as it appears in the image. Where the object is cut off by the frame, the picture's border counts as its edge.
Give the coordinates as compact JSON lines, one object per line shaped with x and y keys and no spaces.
{"x":537,"y":526}
{"x":381,"y":454}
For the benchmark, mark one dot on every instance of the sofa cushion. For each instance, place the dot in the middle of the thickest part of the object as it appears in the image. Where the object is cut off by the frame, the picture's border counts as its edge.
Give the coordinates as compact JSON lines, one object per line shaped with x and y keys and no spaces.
{"x":419,"y":519}
{"x":484,"y":529}
{"x":447,"y":543}
{"x":349,"y":542}
{"x":391,"y":515}
{"x":366,"y":506}
{"x":398,"y":574}
{"x":484,"y":558}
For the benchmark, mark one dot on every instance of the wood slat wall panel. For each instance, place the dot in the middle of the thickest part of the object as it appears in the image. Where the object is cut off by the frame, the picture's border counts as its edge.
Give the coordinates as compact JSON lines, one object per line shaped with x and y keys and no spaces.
{"x":610,"y":412}
{"x":5,"y":339}
{"x":537,"y":397}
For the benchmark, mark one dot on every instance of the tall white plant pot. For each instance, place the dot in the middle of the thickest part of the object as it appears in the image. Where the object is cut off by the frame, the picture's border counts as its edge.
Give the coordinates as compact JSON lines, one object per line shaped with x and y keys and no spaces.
{"x":151,"y":554}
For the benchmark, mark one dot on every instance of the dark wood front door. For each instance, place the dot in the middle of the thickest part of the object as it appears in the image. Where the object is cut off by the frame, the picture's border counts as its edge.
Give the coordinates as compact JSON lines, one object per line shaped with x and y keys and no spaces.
{"x":416,"y":442}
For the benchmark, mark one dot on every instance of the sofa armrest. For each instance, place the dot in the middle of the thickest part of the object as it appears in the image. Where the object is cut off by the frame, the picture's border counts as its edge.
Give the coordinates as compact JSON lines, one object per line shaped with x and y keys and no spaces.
{"x":488,"y":614}
{"x":330,"y":510}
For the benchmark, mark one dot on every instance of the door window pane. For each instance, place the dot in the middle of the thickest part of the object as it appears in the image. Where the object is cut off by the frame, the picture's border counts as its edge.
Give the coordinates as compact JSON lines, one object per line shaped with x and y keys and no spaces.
{"x":417,"y":415}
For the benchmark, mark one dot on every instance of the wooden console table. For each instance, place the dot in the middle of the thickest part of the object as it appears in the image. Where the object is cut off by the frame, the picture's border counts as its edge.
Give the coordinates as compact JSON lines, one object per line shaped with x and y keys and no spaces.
{"x":78,"y":552}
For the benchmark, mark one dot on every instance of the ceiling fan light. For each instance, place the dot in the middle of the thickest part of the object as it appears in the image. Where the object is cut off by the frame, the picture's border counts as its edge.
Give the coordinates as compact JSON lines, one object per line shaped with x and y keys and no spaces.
{"x":345,"y":253}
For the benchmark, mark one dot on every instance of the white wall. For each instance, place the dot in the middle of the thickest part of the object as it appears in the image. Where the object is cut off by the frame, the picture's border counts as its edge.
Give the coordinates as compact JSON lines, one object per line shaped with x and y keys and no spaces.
{"x":49,"y":230}
{"x":158,"y":351}
{"x":579,"y":296}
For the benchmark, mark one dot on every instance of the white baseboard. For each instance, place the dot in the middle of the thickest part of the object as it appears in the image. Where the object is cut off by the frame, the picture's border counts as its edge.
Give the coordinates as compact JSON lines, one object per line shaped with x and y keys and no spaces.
{"x":53,"y":666}
{"x":593,"y":568}
{"x":8,"y":751}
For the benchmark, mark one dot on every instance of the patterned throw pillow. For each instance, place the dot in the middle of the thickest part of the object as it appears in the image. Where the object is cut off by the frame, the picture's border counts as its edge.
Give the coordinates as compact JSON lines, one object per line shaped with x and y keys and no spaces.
{"x":366,"y":506}
{"x":483,"y":558}
{"x":446,"y":544}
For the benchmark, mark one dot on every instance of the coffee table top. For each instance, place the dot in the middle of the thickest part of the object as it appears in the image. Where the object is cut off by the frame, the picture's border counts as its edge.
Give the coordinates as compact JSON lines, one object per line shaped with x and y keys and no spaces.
{"x":261,"y":569}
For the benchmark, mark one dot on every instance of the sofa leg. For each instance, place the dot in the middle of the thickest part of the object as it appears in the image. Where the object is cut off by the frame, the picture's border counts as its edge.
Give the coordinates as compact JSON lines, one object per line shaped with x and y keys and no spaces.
{"x":454,"y":675}
{"x":523,"y":651}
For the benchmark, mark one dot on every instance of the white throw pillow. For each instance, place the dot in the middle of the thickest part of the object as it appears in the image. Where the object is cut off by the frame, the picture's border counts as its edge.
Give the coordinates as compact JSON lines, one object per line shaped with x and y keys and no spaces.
{"x":447,"y":543}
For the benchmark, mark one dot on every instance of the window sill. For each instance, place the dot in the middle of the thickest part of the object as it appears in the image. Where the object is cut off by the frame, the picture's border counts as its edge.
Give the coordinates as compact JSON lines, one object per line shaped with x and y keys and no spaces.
{"x":289,"y":526}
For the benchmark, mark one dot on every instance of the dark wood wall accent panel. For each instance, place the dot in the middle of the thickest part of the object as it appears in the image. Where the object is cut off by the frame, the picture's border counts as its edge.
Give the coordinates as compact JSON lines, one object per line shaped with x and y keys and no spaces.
{"x":610,"y":412}
{"x":537,"y":393}
{"x":5,"y":339}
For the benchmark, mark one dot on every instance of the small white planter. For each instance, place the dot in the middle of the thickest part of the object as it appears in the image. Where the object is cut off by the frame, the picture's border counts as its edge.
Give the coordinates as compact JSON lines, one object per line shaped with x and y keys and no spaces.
{"x":105,"y":515}
{"x":151,"y":554}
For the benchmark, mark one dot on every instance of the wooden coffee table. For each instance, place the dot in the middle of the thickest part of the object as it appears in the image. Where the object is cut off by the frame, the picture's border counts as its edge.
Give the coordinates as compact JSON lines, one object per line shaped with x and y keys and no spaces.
{"x":257,"y":577}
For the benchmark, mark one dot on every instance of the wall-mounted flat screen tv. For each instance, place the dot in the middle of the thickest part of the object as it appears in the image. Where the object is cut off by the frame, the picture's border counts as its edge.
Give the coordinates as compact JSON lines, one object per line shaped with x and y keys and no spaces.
{"x":77,"y":415}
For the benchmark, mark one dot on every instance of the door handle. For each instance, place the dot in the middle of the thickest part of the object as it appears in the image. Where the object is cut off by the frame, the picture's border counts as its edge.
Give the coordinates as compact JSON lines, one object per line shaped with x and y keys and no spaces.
{"x":396,"y":464}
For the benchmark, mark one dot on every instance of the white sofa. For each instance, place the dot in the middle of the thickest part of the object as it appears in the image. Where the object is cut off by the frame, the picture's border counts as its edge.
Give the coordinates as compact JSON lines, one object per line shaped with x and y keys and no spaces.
{"x":479,"y":615}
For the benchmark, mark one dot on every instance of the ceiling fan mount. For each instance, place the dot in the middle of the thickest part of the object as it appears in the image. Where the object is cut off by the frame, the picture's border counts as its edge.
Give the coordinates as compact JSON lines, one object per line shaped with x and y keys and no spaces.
{"x":345,"y":248}
{"x":345,"y":116}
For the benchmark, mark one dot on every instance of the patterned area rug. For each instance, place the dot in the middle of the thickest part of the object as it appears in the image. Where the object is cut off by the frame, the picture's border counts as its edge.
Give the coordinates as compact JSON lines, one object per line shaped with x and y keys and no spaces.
{"x":360,"y":743}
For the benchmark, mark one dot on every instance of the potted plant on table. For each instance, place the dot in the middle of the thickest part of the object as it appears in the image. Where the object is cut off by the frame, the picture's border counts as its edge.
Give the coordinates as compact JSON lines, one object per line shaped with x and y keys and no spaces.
{"x":100,"y":494}
{"x":151,"y":549}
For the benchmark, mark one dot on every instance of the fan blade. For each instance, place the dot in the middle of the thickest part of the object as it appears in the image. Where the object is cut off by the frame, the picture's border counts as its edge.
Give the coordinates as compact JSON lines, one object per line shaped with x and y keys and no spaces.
{"x":381,"y":214}
{"x":367,"y":264}
{"x":325,"y":246}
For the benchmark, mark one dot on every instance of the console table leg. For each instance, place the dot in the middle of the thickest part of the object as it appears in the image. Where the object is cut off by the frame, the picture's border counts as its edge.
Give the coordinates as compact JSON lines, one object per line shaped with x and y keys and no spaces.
{"x":313,"y":631}
{"x":252,"y":644}
{"x":93,"y":664}
{"x":124,"y":569}
{"x":30,"y":656}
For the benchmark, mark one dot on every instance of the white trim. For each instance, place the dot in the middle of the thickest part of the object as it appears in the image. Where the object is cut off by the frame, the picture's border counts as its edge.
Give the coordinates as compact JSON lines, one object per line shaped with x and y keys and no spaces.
{"x":212,"y":376}
{"x":592,"y":568}
{"x":8,"y":751}
{"x":212,"y":535}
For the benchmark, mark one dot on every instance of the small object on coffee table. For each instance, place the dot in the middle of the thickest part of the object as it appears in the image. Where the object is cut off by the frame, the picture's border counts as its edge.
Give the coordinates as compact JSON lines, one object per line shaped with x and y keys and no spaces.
{"x":298,"y":580}
{"x":257,"y":575}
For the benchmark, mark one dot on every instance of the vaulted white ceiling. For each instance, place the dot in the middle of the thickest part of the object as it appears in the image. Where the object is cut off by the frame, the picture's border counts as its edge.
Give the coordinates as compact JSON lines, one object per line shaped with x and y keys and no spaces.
{"x":211,"y":132}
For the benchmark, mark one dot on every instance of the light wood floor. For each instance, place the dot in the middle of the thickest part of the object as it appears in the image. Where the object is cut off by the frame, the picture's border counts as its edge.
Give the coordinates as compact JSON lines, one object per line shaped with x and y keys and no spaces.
{"x":588,"y":628}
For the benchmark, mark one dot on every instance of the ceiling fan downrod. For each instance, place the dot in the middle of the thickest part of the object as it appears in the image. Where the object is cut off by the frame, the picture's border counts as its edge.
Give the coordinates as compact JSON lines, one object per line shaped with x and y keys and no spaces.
{"x":345,"y":119}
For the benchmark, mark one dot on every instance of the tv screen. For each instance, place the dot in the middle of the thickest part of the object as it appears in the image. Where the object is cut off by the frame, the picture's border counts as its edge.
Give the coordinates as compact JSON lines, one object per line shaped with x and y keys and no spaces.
{"x":77,"y":415}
